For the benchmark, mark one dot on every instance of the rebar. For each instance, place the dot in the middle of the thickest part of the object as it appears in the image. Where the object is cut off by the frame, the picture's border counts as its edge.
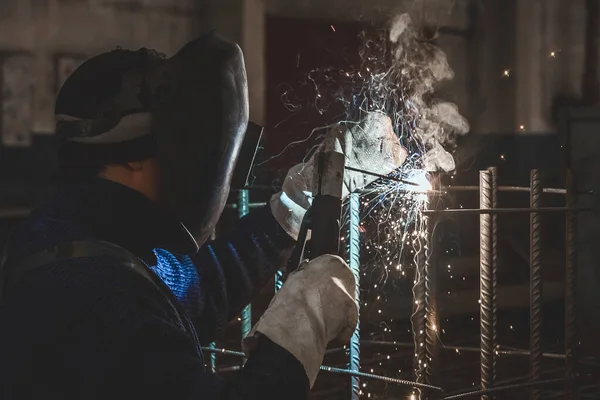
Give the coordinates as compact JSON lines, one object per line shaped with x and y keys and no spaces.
{"x":452,"y":188}
{"x":354,"y":262}
{"x":485,"y":286}
{"x":396,"y":381}
{"x":499,"y":350}
{"x":243,"y":207}
{"x":494,"y":204}
{"x":504,"y":388}
{"x":250,"y":205}
{"x":418,"y":318}
{"x":212,"y":355}
{"x":536,"y":283}
{"x":570,"y":290}
{"x":492,"y":211}
{"x":431,"y":306}
{"x":278,"y":280}
{"x":8,"y":213}
{"x":391,"y":178}
{"x":502,"y":188}
{"x":213,"y":358}
{"x":325,"y":368}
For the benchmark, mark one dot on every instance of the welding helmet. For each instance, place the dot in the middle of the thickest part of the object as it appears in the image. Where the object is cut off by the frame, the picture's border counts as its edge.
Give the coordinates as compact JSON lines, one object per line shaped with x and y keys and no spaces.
{"x":189,"y":111}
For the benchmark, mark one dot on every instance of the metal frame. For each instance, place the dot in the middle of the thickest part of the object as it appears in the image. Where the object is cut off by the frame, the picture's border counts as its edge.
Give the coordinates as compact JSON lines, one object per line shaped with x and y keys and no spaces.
{"x":425,"y":294}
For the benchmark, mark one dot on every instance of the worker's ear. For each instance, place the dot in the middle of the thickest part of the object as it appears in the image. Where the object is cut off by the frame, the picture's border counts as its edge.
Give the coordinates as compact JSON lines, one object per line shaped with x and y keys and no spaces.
{"x":135,"y":166}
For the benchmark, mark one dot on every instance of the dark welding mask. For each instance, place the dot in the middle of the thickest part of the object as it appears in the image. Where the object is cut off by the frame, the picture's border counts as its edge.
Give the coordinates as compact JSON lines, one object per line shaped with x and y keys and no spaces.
{"x":189,"y":111}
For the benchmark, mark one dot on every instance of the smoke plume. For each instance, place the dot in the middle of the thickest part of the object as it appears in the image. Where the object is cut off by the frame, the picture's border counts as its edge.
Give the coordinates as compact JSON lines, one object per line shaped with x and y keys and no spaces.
{"x":422,"y":66}
{"x":399,"y":75}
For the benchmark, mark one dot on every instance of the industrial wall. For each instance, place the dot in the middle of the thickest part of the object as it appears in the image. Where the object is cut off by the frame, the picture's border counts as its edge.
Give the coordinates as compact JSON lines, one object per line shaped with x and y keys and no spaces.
{"x":511,"y":58}
{"x":538,"y":43}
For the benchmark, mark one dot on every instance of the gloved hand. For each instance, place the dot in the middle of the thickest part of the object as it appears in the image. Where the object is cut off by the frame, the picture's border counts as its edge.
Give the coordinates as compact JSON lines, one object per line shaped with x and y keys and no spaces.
{"x":316,"y":305}
{"x":370,"y":145}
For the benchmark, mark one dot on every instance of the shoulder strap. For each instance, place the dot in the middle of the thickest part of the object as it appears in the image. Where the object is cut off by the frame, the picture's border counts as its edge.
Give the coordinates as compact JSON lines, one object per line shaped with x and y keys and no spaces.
{"x":88,"y":249}
{"x":72,"y":250}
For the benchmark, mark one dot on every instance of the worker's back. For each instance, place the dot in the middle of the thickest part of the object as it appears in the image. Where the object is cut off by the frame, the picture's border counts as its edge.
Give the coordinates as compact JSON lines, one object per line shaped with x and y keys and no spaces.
{"x":87,"y":327}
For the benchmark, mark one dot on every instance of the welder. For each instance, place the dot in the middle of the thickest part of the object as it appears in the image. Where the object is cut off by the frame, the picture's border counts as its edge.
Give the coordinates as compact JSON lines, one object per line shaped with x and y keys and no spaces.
{"x":111,"y":288}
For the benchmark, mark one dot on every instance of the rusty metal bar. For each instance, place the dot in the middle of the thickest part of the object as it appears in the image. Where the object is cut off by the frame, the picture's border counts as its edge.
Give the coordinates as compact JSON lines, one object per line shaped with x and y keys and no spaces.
{"x":18,"y":212}
{"x":494,"y":233}
{"x":485,"y":283}
{"x":500,"y":351}
{"x":503,"y":189}
{"x":419,"y":316}
{"x":431,"y":309}
{"x":536,"y":301}
{"x":491,"y":211}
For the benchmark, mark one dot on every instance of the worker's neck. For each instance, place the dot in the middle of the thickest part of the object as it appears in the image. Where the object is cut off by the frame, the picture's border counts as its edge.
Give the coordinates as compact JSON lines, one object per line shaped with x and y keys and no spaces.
{"x":141,"y":176}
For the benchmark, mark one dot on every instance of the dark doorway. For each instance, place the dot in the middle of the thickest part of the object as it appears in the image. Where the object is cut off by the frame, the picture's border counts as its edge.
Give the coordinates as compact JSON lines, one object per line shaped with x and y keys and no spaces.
{"x":303,"y":58}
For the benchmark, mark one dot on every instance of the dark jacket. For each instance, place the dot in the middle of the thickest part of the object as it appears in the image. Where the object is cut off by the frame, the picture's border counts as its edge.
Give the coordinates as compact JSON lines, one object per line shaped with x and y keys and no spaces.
{"x":91,"y":329}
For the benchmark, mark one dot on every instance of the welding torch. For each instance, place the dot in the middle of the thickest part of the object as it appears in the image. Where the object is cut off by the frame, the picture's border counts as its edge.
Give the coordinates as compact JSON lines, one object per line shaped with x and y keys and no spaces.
{"x":322,"y":219}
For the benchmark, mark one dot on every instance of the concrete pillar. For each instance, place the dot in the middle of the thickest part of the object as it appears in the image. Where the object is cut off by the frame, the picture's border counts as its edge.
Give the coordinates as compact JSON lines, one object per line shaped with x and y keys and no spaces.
{"x":532,"y":101}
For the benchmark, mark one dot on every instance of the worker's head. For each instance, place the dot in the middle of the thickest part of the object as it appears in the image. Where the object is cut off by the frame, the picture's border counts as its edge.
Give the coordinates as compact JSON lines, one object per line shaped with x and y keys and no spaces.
{"x":171,"y":128}
{"x":103,"y":133}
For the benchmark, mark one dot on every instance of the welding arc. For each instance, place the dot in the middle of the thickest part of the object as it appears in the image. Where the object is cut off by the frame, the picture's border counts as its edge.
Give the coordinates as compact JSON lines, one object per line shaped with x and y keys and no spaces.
{"x":391,"y":178}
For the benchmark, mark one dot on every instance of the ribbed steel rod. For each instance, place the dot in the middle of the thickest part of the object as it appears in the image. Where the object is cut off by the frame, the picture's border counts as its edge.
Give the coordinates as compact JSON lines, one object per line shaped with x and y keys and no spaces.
{"x":499,"y":350}
{"x":213,"y":359}
{"x":570,"y":291}
{"x":503,"y":188}
{"x":494,"y":204}
{"x":535,"y":245}
{"x":354,"y":262}
{"x":485,"y":283}
{"x":325,"y":368}
{"x":278,"y":280}
{"x":236,"y":206}
{"x":414,"y":186}
{"x":418,"y":318}
{"x":492,"y":211}
{"x":503,"y":388}
{"x":8,"y":213}
{"x":381,"y":378}
{"x":431,"y":307}
{"x":212,"y":355}
{"x":243,"y":207}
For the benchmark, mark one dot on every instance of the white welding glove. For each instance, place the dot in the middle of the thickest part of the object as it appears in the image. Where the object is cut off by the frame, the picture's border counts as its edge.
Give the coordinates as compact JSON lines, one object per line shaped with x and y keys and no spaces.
{"x":316,"y":305}
{"x":369,"y":145}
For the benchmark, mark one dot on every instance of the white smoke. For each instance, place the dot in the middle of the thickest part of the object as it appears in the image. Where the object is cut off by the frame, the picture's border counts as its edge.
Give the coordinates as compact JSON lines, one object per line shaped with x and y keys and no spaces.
{"x":418,"y":67}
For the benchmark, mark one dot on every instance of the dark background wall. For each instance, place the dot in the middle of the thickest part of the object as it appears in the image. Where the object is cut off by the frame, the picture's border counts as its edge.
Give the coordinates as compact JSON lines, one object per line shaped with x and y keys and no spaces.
{"x":284,"y":40}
